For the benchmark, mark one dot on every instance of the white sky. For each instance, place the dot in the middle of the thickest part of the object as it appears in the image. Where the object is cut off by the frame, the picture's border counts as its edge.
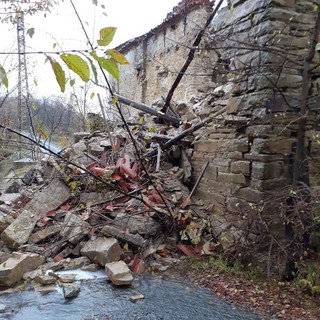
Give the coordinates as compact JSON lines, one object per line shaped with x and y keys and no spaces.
{"x":62,"y":29}
{"x":132,"y":18}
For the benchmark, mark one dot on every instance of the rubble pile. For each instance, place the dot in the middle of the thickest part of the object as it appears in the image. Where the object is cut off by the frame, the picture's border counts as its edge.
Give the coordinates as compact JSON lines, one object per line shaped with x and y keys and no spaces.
{"x":101,"y":203}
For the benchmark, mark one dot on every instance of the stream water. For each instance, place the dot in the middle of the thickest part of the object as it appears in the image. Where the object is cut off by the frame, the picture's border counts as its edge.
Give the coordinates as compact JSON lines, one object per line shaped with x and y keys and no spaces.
{"x":165,"y":298}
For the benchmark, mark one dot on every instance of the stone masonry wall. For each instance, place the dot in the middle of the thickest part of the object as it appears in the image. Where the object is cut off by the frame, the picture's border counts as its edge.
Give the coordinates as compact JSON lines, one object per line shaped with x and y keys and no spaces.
{"x":249,"y":65}
{"x":155,"y":58}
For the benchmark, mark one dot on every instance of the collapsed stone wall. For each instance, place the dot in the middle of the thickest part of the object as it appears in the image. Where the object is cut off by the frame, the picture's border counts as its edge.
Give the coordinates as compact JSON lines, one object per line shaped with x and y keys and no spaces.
{"x":249,"y":65}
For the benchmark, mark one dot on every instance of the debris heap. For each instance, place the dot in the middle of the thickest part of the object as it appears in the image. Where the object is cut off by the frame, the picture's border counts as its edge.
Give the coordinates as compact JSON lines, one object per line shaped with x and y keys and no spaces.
{"x":106,"y":201}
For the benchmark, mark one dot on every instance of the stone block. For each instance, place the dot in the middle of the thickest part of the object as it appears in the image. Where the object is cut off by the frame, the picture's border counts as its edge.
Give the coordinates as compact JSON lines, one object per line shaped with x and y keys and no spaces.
{"x":137,"y":224}
{"x":95,"y":149}
{"x":77,"y":136}
{"x":19,"y":231}
{"x":119,"y":273}
{"x":74,"y":228}
{"x":102,"y":250}
{"x":211,"y":172}
{"x":221,"y":187}
{"x":239,"y":144}
{"x":236,"y":155}
{"x":236,"y":178}
{"x":268,"y":170}
{"x":259,"y":131}
{"x":48,"y":198}
{"x":45,"y":233}
{"x":263,"y":157}
{"x":211,"y":146}
{"x":134,"y":239}
{"x":10,"y":198}
{"x":243,"y":167}
{"x":5,"y":220}
{"x":273,"y":145}
{"x":12,"y":270}
{"x":70,"y":290}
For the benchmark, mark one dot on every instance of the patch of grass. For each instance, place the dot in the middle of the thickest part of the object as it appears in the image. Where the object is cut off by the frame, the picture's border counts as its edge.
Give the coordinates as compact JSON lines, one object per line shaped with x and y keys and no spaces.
{"x":223,"y":265}
{"x":308,"y":277}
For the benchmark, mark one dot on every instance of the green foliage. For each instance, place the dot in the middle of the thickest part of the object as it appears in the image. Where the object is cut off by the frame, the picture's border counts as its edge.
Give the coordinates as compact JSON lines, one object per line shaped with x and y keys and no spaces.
{"x":308,"y":278}
{"x":30,"y":32}
{"x":94,"y":69}
{"x":117,"y":56}
{"x":77,"y":65}
{"x":227,"y":266}
{"x":106,"y":36}
{"x":109,"y":65}
{"x":59,"y":73}
{"x":3,"y":77}
{"x":109,"y":61}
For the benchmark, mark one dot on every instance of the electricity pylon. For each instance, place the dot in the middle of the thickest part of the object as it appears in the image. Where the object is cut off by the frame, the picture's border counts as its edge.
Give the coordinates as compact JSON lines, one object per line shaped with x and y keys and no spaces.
{"x":23,"y":87}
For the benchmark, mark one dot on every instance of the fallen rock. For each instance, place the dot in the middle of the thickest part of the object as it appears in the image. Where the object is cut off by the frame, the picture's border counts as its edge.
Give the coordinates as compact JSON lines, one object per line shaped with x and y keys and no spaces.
{"x":33,"y":249}
{"x":67,"y":278}
{"x":14,"y":187}
{"x":91,"y":267}
{"x":77,"y":136}
{"x":136,"y":297}
{"x":137,"y":224}
{"x":31,"y":275}
{"x":10,"y":198}
{"x":45,"y":279}
{"x":70,"y":290}
{"x":45,"y":233}
{"x":12,"y":270}
{"x":4,"y":256}
{"x":45,"y":289}
{"x":18,"y":232}
{"x":119,"y":273}
{"x":49,"y":198}
{"x":135,"y":239}
{"x":76,"y":263}
{"x":102,"y":250}
{"x":53,"y":266}
{"x":5,"y":221}
{"x":74,"y":228}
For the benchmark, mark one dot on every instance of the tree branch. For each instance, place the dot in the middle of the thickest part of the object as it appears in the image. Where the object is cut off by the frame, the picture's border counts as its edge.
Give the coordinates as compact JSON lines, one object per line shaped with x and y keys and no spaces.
{"x":190,"y":57}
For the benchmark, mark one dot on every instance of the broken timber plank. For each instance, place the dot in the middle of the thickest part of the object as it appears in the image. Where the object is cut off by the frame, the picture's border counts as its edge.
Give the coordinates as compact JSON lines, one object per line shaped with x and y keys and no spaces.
{"x":147,"y":109}
{"x":155,"y":136}
{"x":179,"y":137}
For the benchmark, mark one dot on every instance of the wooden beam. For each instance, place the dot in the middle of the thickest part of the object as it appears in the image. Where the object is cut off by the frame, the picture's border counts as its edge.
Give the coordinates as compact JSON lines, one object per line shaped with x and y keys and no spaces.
{"x":147,"y":109}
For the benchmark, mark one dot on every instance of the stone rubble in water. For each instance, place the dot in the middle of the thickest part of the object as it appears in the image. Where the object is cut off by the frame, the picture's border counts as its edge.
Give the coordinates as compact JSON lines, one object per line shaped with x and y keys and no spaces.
{"x":102,"y":250}
{"x":119,"y":273}
{"x":70,"y":290}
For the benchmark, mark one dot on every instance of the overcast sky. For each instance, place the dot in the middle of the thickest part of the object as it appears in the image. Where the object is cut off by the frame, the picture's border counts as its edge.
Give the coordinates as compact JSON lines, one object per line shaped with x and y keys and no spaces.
{"x":60,"y":29}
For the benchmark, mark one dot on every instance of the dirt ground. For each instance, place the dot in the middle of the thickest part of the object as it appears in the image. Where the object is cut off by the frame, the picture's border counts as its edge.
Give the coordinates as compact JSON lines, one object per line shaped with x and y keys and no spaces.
{"x":270,"y":299}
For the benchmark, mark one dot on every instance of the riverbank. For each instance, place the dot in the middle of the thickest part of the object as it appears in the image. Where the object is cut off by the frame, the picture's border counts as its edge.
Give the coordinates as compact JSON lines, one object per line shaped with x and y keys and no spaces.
{"x":271,"y":299}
